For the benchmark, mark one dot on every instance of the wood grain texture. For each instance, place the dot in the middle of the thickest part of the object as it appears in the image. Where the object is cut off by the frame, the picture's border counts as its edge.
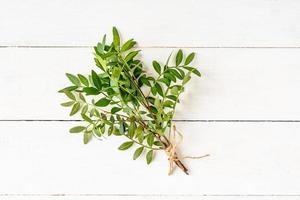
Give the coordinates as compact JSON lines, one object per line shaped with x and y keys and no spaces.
{"x":246,"y":158}
{"x":152,"y":23}
{"x":237,"y":84}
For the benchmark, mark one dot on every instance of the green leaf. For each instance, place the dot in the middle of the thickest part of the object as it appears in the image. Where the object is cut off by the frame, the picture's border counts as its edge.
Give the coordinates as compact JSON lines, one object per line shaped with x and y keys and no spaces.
{"x":84,"y":109}
{"x":150,"y":139}
{"x":96,"y":80}
{"x":193,"y":70}
{"x":92,"y":112}
{"x":167,"y":63}
{"x":126,"y":145}
{"x":83,"y":80}
{"x":168,"y":103}
{"x":176,"y":73}
{"x":70,"y":95}
{"x":166,"y":81}
{"x":97,"y":132}
{"x":75,"y":109}
{"x":174,"y":91}
{"x":170,"y":76}
{"x":81,"y":97}
{"x":87,"y":137}
{"x":153,"y":90}
{"x":157,"y":143}
{"x":156,"y":66}
{"x":128,"y":45}
{"x":189,"y":59}
{"x":139,"y":133}
{"x":77,"y":129}
{"x":68,"y":89}
{"x":99,"y":49}
{"x":179,"y":57}
{"x":131,"y":130}
{"x":100,"y":62}
{"x":186,"y":79}
{"x":159,"y":89}
{"x":73,"y":79}
{"x":67,"y":104}
{"x":116,"y":38}
{"x":149,"y":157}
{"x":138,"y":152}
{"x":182,"y":73}
{"x":86,"y":118}
{"x":116,"y":73}
{"x":151,"y":99}
{"x":157,"y":103}
{"x":115,"y":110}
{"x":102,"y":102}
{"x":174,"y":98}
{"x":91,"y":91}
{"x":145,"y":81}
{"x":121,"y":128}
{"x":110,"y":130}
{"x":153,"y":109}
{"x":131,"y":55}
{"x":104,"y":40}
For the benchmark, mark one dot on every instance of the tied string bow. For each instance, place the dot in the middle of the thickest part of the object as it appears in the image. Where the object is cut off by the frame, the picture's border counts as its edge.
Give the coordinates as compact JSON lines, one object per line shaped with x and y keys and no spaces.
{"x":171,"y":151}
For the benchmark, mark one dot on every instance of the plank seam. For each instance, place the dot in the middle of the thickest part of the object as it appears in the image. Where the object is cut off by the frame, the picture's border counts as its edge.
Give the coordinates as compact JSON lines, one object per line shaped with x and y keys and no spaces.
{"x":155,"y":195}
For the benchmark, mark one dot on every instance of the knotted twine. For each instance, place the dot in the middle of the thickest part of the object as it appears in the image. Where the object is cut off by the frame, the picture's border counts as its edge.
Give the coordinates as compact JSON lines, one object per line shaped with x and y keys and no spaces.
{"x":171,"y":149}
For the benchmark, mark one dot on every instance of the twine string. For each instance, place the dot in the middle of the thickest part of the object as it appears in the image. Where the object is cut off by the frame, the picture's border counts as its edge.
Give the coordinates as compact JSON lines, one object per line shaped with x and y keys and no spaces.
{"x":171,"y":149}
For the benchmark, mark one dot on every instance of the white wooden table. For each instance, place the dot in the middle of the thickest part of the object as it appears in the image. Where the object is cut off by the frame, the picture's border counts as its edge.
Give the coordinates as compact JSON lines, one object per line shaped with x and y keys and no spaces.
{"x":244,"y":111}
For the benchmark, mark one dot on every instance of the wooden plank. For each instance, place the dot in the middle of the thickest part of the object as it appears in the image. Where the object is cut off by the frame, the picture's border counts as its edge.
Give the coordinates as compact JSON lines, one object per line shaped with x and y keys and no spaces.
{"x":153,"y":23}
{"x":246,"y":158}
{"x":236,"y":84}
{"x":146,"y":197}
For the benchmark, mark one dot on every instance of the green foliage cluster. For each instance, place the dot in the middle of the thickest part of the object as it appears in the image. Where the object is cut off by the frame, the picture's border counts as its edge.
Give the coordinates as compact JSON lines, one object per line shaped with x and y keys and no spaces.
{"x":121,"y":99}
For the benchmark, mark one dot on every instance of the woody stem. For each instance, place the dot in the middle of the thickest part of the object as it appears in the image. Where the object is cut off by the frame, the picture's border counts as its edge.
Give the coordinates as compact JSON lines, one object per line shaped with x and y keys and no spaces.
{"x":177,"y":161}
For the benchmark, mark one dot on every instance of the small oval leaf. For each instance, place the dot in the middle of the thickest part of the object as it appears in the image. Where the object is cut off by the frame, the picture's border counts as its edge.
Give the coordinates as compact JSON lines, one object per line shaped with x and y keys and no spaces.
{"x":138,"y":152}
{"x":150,"y":139}
{"x":67,"y":104}
{"x":115,"y":110}
{"x":193,"y":70}
{"x":131,"y":55}
{"x":189,"y":59}
{"x":73,"y":79}
{"x":91,"y":91}
{"x":77,"y":129}
{"x":149,"y":157}
{"x":75,"y":109}
{"x":87,"y":137}
{"x":159,"y":89}
{"x":128,"y":45}
{"x":102,"y":102}
{"x":96,"y":80}
{"x":179,"y":57}
{"x":156,"y":66}
{"x":83,"y":80}
{"x":125,"y":145}
{"x":116,"y":38}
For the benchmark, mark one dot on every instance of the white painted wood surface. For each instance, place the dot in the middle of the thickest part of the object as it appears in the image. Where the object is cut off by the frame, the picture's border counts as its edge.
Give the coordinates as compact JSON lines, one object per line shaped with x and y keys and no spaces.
{"x":146,"y":197}
{"x":244,"y":111}
{"x":246,"y":158}
{"x":246,"y":84}
{"x":152,"y":23}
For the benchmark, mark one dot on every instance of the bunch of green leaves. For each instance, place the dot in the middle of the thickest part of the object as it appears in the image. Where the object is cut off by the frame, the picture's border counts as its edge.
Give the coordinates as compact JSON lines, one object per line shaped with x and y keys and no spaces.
{"x":119,"y":98}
